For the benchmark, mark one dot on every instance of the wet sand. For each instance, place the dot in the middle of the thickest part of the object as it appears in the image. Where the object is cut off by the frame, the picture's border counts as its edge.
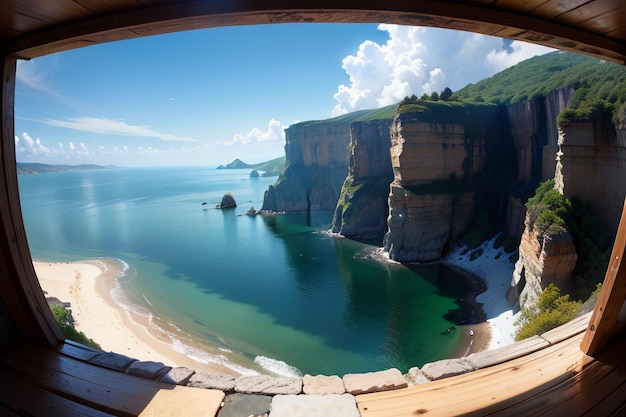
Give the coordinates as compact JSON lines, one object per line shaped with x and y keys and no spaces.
{"x":87,"y":286}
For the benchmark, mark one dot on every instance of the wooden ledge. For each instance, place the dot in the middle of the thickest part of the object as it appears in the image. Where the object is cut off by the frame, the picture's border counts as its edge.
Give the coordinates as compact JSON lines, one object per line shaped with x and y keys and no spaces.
{"x":557,"y":380}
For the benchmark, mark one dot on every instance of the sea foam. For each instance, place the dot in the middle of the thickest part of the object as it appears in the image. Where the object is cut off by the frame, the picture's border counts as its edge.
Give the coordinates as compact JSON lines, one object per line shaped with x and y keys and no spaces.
{"x":277,"y":367}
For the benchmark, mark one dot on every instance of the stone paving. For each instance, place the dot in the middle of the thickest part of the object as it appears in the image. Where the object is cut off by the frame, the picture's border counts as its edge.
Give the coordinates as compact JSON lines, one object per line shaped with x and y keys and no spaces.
{"x":319,"y":395}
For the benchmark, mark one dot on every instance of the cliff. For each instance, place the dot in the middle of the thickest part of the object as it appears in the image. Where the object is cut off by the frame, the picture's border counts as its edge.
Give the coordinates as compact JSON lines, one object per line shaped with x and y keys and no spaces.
{"x":543,"y":259}
{"x":438,"y":153}
{"x":361,"y":211}
{"x":533,"y":130}
{"x":594,"y":165}
{"x":316,"y":165}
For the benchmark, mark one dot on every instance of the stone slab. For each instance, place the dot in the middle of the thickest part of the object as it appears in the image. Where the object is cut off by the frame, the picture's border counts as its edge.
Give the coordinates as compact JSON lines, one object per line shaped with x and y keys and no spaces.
{"x":314,"y":406}
{"x":374,"y":381}
{"x":264,"y":384}
{"x":221,"y":382}
{"x":184,"y":401}
{"x":322,"y":385}
{"x":416,"y":377}
{"x":112,"y":360}
{"x":147,"y":369}
{"x":178,"y":376}
{"x":446,"y":368}
{"x":245,"y":405}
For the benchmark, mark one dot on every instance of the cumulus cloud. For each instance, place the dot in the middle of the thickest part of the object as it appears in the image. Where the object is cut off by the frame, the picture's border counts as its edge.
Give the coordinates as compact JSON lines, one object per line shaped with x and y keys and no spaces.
{"x":417,"y":60}
{"x":113,"y":127}
{"x":28,"y":145}
{"x":275,"y":132}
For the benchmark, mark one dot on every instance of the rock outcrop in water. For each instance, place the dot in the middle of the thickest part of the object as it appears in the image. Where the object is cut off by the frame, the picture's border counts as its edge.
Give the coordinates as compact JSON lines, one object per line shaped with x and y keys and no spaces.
{"x":361,"y":212}
{"x":228,"y":201}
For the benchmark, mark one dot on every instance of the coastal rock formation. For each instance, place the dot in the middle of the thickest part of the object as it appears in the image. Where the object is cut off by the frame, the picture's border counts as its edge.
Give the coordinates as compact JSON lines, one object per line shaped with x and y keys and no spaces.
{"x":316,"y":166}
{"x":361,"y":211}
{"x":532,"y":127}
{"x":228,"y":201}
{"x":435,"y":154}
{"x":594,"y":165}
{"x":542,"y":260}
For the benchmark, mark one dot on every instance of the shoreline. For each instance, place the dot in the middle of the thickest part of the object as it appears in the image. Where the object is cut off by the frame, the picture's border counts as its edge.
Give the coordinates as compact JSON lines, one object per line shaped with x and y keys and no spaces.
{"x":87,"y":286}
{"x":494,"y":268}
{"x":475,"y":337}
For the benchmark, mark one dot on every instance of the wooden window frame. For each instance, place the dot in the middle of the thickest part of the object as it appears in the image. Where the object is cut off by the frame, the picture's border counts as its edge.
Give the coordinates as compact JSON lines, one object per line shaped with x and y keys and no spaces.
{"x":20,"y":291}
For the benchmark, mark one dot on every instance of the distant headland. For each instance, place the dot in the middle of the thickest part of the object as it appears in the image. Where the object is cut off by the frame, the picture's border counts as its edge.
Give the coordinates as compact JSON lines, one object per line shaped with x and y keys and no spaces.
{"x":271,"y":168}
{"x":37,"y":168}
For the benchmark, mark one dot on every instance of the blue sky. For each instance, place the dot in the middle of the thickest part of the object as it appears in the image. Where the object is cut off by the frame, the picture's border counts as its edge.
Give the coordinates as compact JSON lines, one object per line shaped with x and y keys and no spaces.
{"x":209,"y":96}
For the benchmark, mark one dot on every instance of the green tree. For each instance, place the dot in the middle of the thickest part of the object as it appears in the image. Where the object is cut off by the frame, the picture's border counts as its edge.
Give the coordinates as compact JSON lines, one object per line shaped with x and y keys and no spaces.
{"x":552,"y":310}
{"x":445,"y":94}
{"x":434,"y":96}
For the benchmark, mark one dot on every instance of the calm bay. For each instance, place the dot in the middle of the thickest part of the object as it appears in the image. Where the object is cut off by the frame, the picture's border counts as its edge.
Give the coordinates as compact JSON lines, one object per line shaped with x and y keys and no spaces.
{"x":265,"y":293}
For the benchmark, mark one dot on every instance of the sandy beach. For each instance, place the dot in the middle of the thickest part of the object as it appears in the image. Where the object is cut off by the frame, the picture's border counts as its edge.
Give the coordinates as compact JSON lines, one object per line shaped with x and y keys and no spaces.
{"x":495,"y":268}
{"x":86,"y":285}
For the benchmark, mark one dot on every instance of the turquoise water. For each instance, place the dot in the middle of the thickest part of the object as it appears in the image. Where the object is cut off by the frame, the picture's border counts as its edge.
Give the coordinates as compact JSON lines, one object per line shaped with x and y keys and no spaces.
{"x":263,"y":292}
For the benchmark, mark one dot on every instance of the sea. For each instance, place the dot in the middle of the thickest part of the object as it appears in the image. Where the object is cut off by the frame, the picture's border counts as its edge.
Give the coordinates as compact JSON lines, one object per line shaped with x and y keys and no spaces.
{"x":274,"y":294}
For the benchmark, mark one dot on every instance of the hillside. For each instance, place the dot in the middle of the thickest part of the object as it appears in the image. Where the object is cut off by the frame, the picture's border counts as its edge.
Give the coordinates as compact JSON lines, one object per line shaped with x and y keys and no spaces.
{"x":599,"y":85}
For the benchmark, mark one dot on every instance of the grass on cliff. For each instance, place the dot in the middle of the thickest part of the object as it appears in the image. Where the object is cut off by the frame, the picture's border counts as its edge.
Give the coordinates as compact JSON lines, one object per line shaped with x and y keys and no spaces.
{"x":551,"y":214}
{"x":548,"y":210}
{"x":65,"y":321}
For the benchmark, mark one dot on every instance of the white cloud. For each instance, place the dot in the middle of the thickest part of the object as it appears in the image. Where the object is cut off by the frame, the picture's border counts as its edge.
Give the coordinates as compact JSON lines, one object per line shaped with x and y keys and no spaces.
{"x":30,"y":146}
{"x":274,"y":132}
{"x":113,"y":127}
{"x":28,"y":74}
{"x":417,"y":60}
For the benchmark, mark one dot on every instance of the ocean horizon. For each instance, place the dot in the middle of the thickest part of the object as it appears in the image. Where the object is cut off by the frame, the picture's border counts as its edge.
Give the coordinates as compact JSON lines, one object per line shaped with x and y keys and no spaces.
{"x":265,"y":293}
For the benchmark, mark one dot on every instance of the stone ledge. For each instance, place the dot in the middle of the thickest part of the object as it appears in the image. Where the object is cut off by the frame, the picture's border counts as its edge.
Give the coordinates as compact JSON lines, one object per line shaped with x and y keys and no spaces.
{"x":314,"y":406}
{"x":374,"y":381}
{"x":265,"y":384}
{"x":446,"y":368}
{"x":322,"y":385}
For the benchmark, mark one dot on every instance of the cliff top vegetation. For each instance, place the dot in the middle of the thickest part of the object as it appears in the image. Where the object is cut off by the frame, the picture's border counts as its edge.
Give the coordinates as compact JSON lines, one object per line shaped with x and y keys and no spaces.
{"x":448,"y":112}
{"x":551,"y":214}
{"x":387,"y":112}
{"x":600,"y":86}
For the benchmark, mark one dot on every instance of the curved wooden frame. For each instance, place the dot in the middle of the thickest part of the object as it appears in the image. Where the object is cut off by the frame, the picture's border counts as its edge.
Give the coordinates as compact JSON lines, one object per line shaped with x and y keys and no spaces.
{"x":469,"y":16}
{"x":19,"y":287}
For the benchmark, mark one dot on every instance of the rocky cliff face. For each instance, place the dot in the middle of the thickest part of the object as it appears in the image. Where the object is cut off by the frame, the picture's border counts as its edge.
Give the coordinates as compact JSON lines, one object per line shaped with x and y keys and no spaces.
{"x":435,"y":155}
{"x":594,"y":166}
{"x":316,"y":166}
{"x":542,"y":260}
{"x":533,"y":131}
{"x":361,"y":211}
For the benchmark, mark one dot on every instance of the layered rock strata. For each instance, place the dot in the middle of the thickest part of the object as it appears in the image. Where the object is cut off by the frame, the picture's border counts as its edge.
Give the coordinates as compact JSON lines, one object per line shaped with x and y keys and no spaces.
{"x":533,"y":131}
{"x":316,"y":166}
{"x":361,"y":211}
{"x":435,"y":154}
{"x":543,"y":260}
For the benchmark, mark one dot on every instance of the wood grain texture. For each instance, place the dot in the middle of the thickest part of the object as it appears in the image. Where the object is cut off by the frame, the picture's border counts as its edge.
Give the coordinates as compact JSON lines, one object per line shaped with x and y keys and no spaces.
{"x":56,"y":26}
{"x":557,"y":381}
